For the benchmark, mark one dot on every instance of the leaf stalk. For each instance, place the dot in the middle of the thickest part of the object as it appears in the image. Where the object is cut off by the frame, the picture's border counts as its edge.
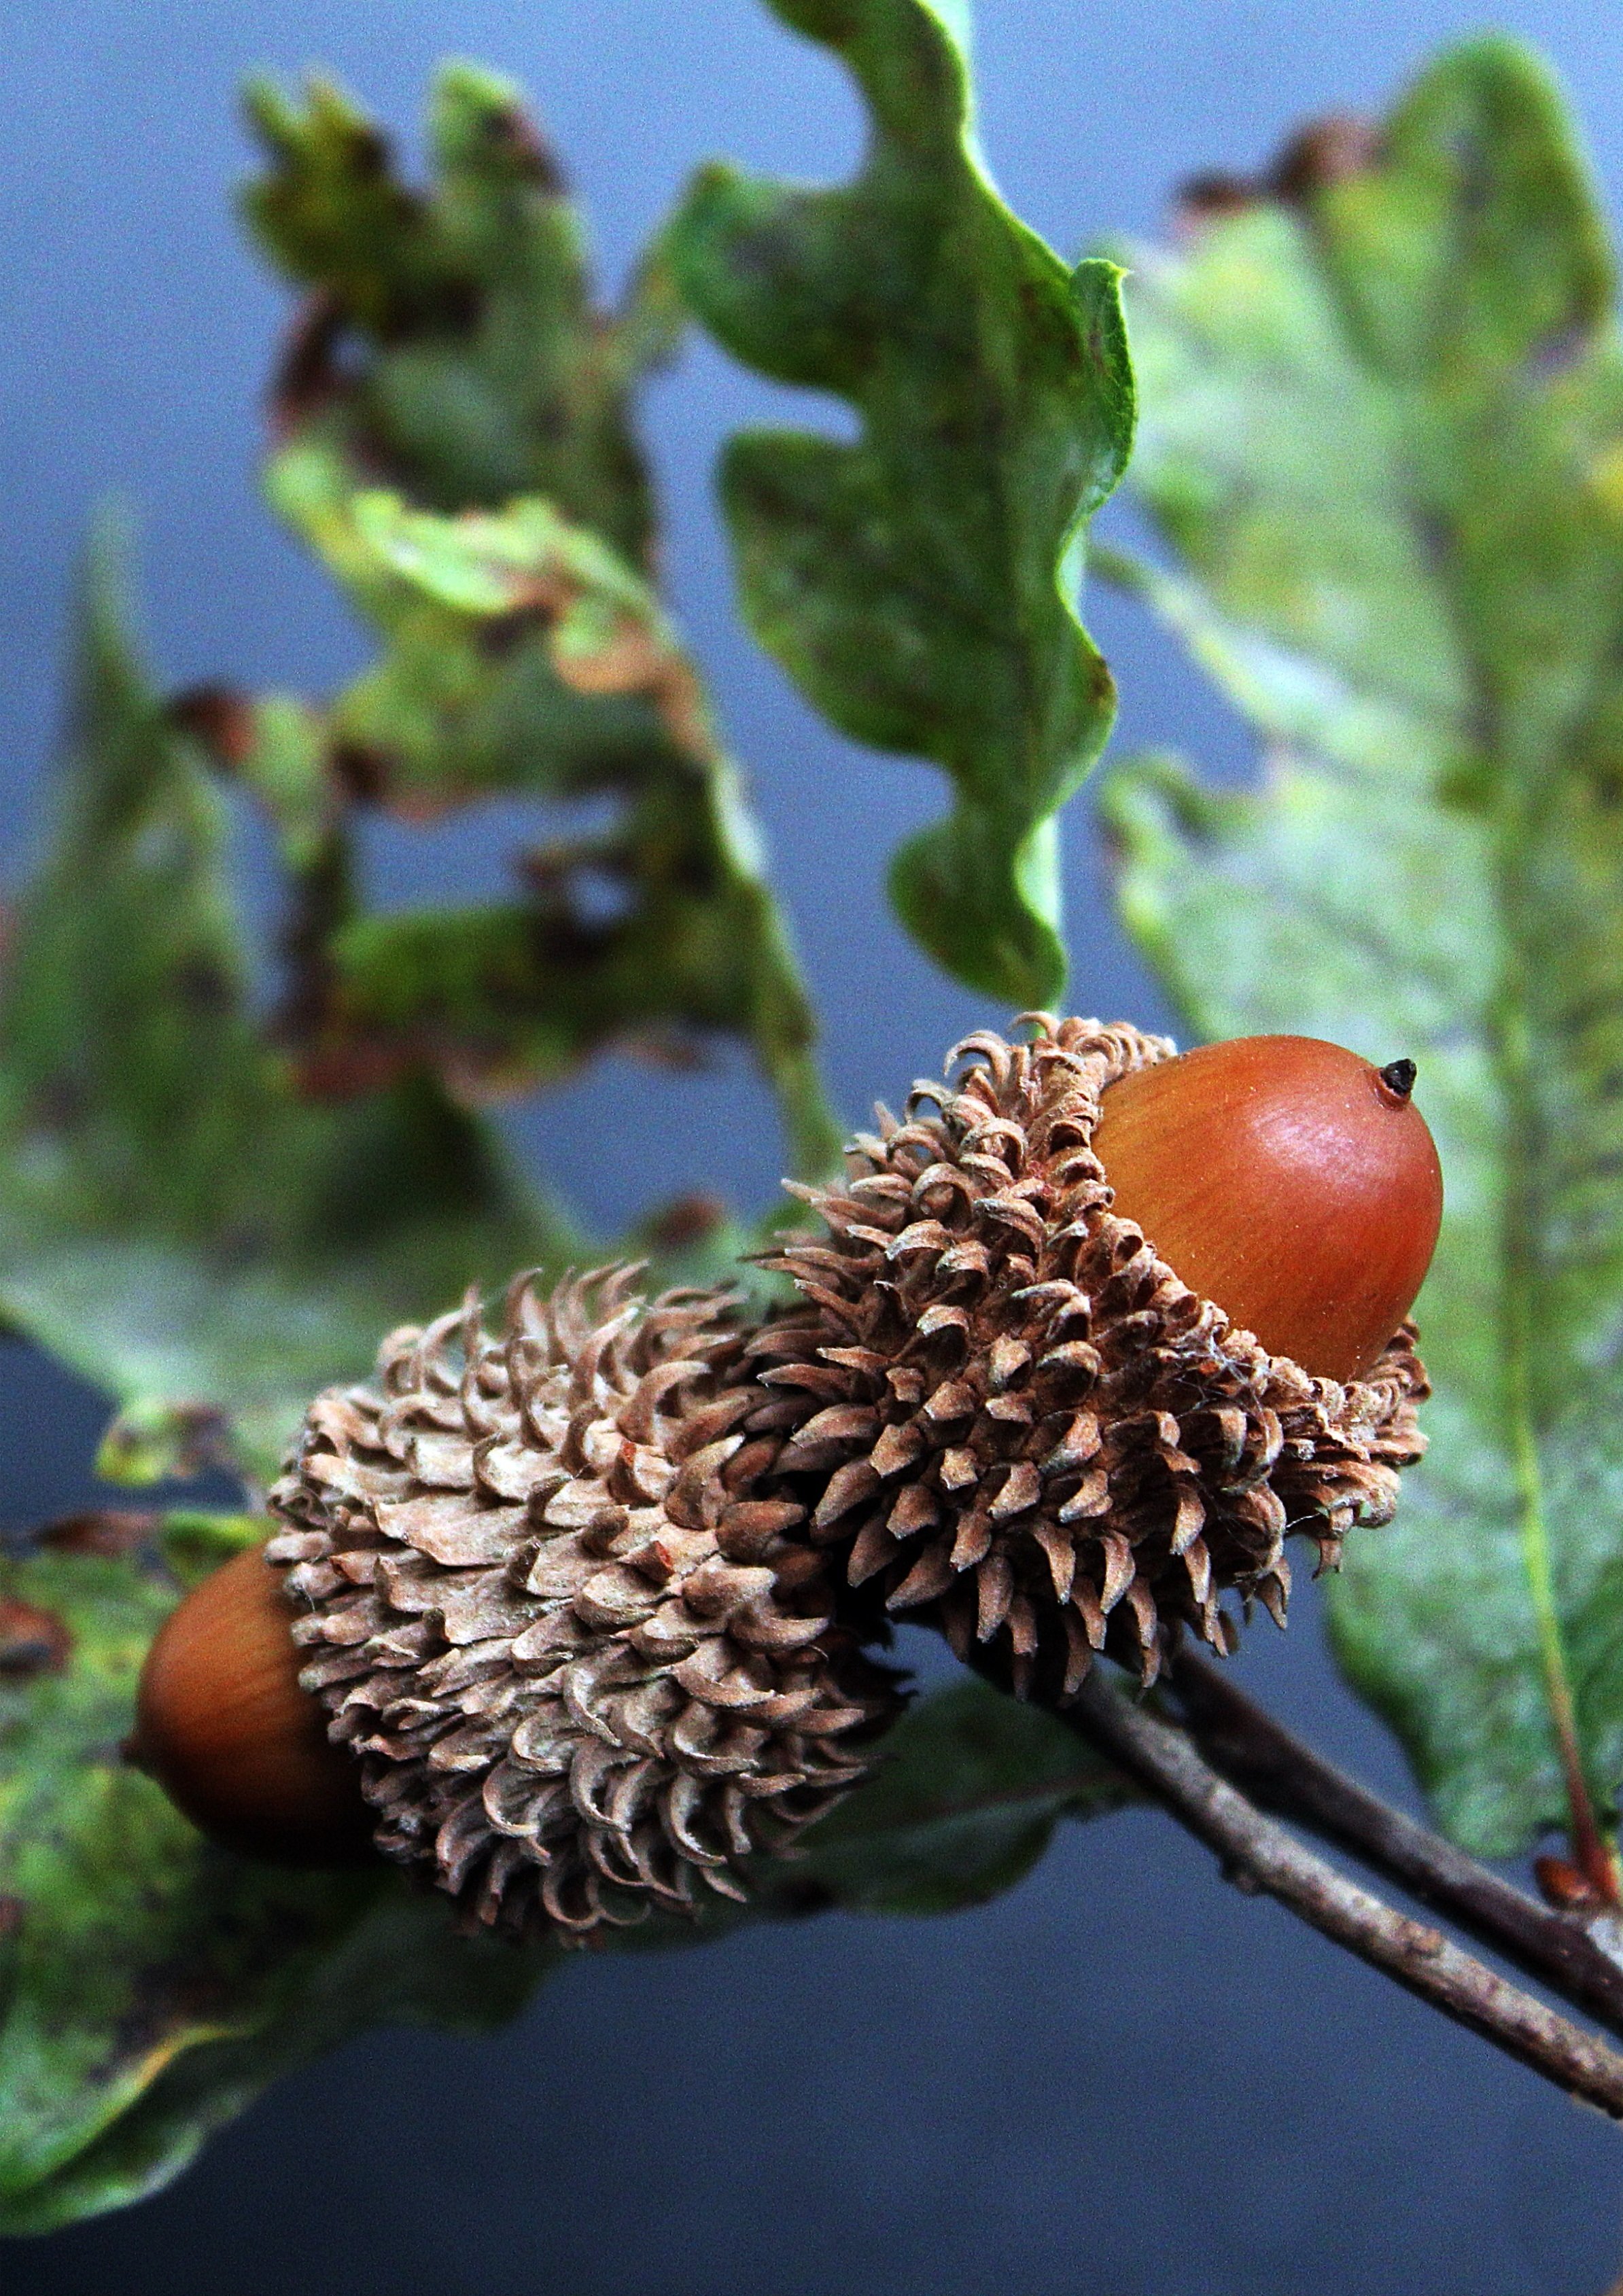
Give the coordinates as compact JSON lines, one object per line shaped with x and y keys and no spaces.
{"x":1512,"y":1054}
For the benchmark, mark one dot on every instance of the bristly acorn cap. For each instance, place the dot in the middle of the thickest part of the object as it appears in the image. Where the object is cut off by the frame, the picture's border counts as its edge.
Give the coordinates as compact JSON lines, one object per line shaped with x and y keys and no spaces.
{"x":582,"y":1666}
{"x":1007,"y":1410}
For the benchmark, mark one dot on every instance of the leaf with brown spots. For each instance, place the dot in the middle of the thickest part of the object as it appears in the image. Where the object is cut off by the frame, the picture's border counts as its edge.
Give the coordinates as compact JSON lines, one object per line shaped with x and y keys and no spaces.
{"x":151,"y":1983}
{"x":588,"y":693}
{"x":452,"y":349}
{"x":1383,"y":402}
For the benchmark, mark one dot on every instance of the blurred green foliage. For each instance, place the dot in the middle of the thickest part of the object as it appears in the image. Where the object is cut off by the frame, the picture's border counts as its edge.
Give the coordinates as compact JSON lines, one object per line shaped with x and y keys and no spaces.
{"x":449,"y":349}
{"x":1383,"y":439}
{"x":179,"y":1220}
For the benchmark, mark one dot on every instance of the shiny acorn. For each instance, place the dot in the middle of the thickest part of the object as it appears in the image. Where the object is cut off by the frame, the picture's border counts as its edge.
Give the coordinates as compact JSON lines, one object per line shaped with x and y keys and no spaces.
{"x":1293,"y":1183}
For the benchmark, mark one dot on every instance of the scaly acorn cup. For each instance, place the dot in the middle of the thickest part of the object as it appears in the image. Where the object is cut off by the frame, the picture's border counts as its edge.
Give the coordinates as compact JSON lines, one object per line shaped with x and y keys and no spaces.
{"x":583,"y":1669}
{"x":1001,"y":1408}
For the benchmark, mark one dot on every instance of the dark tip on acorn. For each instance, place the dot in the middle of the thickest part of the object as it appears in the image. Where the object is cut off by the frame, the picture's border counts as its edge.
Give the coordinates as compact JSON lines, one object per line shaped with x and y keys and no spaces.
{"x":1398,"y":1077}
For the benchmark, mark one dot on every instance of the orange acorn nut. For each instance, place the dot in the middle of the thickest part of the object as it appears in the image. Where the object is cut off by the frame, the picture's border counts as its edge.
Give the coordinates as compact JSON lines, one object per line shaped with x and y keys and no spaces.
{"x":1288,"y":1181}
{"x":222,"y":1725}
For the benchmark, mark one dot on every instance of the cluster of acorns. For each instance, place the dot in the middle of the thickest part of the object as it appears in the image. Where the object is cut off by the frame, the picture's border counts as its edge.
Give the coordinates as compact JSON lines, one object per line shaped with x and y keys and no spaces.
{"x":574,"y":1611}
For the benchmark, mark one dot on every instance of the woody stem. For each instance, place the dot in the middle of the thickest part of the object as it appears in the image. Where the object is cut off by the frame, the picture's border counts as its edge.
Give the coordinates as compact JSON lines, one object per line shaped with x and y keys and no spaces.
{"x":1276,"y":1770}
{"x":1258,"y":1854}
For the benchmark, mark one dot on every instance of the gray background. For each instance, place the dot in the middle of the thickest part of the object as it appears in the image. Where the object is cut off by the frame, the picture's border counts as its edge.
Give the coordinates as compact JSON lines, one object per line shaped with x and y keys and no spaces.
{"x":1121,"y":2077}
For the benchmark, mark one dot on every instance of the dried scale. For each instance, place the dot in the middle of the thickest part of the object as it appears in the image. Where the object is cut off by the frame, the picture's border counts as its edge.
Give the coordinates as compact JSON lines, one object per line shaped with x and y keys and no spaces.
{"x":582,"y":1666}
{"x":1002,"y":1409}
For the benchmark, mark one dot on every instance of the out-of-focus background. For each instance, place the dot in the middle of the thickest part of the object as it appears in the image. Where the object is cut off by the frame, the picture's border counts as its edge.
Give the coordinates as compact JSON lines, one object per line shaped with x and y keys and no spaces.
{"x":1120,"y":2078}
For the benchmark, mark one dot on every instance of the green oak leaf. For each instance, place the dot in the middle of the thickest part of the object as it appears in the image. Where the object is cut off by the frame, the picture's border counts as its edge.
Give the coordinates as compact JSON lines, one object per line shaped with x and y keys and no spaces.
{"x":152,"y":1984}
{"x":452,"y":348}
{"x":917,"y":584}
{"x":1382,"y":433}
{"x":178,"y":1221}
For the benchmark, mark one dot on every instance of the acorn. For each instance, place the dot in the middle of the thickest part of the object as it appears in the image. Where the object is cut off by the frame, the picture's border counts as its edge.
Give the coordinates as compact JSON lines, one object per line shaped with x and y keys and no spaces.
{"x":1041,"y":1388}
{"x":1288,"y":1180}
{"x":222,"y":1725}
{"x":576,"y":1668}
{"x":1087,"y":1336}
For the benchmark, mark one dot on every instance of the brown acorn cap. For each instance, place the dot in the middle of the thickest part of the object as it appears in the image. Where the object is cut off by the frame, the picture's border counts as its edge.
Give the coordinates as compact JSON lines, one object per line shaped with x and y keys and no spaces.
{"x":1001,"y":1408}
{"x":583,"y":1669}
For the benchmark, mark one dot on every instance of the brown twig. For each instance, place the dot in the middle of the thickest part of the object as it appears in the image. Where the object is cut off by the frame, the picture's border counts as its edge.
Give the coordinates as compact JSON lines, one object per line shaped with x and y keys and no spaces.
{"x":1276,"y":1770}
{"x":1258,"y":1853}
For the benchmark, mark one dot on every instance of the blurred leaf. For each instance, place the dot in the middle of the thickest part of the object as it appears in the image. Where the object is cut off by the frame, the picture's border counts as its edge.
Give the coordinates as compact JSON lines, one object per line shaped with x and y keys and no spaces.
{"x":176,"y":1221}
{"x":484,"y":370}
{"x":152,"y":1985}
{"x":969,"y":1789}
{"x":1383,"y":431}
{"x":525,"y":655}
{"x":917,"y":584}
{"x":452,"y":348}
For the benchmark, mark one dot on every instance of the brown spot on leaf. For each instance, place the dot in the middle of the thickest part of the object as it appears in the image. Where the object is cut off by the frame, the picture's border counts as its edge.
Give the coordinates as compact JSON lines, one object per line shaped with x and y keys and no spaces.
{"x":1212,"y":197}
{"x":101,"y":1531}
{"x":186,"y":1989}
{"x":501,"y":635}
{"x":168,"y":1999}
{"x":1325,"y":152}
{"x":670,"y":1049}
{"x":219,"y":716}
{"x":32,"y":1641}
{"x":361,"y":771}
{"x":346,"y":1070}
{"x":11,"y":1916}
{"x":634,"y":656}
{"x":685,"y":1220}
{"x":309,"y":376}
{"x":632,"y":660}
{"x":521,"y":143}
